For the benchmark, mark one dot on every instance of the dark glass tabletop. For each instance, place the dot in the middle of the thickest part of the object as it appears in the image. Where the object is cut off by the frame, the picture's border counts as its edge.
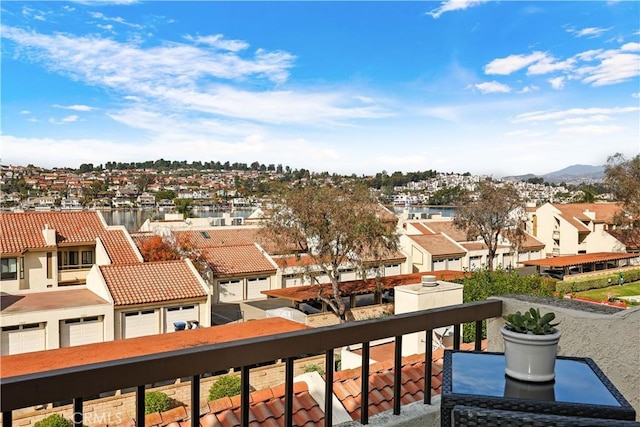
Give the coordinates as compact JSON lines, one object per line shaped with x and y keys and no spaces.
{"x":483,"y":374}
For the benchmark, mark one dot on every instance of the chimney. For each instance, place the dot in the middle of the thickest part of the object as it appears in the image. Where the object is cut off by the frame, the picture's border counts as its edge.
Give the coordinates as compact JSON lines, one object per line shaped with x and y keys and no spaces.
{"x":49,"y":235}
{"x":429,"y":293}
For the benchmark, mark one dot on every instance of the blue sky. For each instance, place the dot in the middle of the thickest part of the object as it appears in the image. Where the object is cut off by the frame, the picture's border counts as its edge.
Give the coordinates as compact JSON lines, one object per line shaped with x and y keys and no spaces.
{"x":487,"y":87}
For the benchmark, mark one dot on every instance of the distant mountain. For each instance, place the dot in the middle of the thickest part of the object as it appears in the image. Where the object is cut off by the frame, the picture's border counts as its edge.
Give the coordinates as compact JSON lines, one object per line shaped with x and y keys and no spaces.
{"x":575,"y":173}
{"x":570,"y":175}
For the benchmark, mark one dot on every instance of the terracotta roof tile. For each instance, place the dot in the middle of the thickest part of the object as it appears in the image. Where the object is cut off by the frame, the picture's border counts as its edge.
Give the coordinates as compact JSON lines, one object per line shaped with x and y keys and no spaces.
{"x":438,"y":245}
{"x":173,"y":415}
{"x":310,"y":292}
{"x":152,"y":282}
{"x":446,"y":227}
{"x":24,"y":231}
{"x":234,"y":260}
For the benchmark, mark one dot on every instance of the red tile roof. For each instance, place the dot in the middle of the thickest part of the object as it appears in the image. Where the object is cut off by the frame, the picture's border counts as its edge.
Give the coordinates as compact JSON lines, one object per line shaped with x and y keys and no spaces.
{"x":604,"y":212}
{"x":438,"y":245}
{"x":355,"y":287}
{"x":446,"y":227}
{"x":44,"y":361}
{"x":234,"y":260}
{"x":219,"y":236}
{"x":571,"y":260}
{"x":149,"y":282}
{"x":23,"y":231}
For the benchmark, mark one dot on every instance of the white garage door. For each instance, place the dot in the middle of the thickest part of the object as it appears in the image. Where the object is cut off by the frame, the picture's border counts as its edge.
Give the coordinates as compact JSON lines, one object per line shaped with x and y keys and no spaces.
{"x":454,"y":264}
{"x":141,"y":323}
{"x":23,"y":338}
{"x":230,"y":291}
{"x":439,"y":265}
{"x":179,"y":314}
{"x":86,"y":330}
{"x":291,"y":280}
{"x":255,"y":286}
{"x":392,"y":270}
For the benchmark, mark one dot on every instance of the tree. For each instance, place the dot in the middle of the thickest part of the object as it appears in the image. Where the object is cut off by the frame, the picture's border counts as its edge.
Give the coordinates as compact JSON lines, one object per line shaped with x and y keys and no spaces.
{"x":494,"y":211}
{"x":155,"y":248}
{"x":622,"y":176}
{"x":334,"y":225}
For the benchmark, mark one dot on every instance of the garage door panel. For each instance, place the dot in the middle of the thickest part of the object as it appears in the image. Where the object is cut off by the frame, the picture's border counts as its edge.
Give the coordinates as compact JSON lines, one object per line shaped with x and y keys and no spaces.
{"x":141,"y":323}
{"x":23,"y":339}
{"x":180,"y":314}
{"x":87,"y":330}
{"x":255,"y":286}
{"x":230,"y":291}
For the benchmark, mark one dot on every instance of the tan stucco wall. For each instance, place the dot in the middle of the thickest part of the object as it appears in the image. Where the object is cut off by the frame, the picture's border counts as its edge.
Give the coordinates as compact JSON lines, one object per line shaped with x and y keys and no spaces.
{"x":611,"y":340}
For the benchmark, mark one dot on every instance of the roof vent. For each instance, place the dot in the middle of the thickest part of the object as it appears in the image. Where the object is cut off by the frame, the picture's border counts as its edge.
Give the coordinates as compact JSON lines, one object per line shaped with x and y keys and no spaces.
{"x":429,"y":281}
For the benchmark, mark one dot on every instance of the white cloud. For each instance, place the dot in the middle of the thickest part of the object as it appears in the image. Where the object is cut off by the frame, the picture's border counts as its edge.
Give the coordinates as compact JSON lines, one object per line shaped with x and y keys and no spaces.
{"x":70,"y":119}
{"x":451,"y":5}
{"x":492,"y":87}
{"x":118,"y":19}
{"x":631,"y":47}
{"x":528,"y":89}
{"x":512,"y":63}
{"x":585,"y":119}
{"x":75,"y":107}
{"x":538,"y":116}
{"x":556,"y":82}
{"x":25,"y":112}
{"x":615,"y":67}
{"x":590,"y":32}
{"x":548,"y":65}
{"x":635,"y":95}
{"x":218,"y":42}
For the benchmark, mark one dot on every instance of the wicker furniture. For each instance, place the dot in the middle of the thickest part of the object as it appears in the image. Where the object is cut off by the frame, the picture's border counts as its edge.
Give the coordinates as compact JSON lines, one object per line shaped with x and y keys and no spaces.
{"x":468,"y":416}
{"x":580,"y":389}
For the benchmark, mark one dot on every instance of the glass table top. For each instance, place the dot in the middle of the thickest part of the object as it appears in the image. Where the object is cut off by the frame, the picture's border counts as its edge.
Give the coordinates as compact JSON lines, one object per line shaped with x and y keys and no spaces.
{"x":483,"y":374}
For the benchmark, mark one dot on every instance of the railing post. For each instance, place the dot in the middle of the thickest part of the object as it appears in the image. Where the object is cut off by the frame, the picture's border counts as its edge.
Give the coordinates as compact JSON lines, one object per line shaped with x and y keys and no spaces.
{"x":397,"y":377}
{"x":140,"y":406}
{"x":7,"y":419}
{"x":195,"y":400}
{"x":78,"y":417}
{"x":478,"y":344}
{"x":428,"y":366}
{"x":328,"y":387}
{"x":244,"y":397}
{"x":288,"y":392}
{"x":364,"y":386}
{"x":456,"y":337}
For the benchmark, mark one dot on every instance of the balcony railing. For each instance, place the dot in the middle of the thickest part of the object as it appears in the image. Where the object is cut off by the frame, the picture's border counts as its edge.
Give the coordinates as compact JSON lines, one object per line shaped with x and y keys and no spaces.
{"x":88,"y":380}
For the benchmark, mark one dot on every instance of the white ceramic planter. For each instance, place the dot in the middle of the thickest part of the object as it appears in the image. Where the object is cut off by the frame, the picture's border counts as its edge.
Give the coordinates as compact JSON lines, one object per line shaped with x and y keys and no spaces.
{"x":530,"y":357}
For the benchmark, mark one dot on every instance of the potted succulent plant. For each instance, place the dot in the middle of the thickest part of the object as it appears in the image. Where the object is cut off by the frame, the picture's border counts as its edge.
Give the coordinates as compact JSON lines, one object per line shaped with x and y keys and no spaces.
{"x":530,"y":345}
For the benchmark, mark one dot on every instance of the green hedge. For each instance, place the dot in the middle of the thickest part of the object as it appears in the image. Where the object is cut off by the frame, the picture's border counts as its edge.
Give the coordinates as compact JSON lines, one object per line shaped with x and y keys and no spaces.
{"x":483,"y":284}
{"x":225,"y":386}
{"x":53,"y":420}
{"x":579,"y":285}
{"x":156,"y":401}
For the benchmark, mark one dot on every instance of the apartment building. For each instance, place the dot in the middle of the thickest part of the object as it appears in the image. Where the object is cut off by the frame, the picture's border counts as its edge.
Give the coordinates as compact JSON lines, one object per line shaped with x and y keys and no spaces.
{"x":575,"y":228}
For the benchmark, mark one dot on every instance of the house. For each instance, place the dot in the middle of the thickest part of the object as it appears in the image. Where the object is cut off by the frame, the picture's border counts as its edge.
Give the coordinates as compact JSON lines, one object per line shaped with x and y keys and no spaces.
{"x":45,"y":259}
{"x":436,"y":244}
{"x":575,"y":228}
{"x":149,"y":298}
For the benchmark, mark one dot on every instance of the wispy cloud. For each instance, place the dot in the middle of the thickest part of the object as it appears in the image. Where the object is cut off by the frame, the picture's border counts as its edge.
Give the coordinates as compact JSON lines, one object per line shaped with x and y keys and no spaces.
{"x":75,"y":107}
{"x":119,"y":20}
{"x":590,"y":32}
{"x":492,"y":87}
{"x":597,"y":67}
{"x":218,"y":42}
{"x":451,"y":5}
{"x":538,"y":116}
{"x":193,"y":80}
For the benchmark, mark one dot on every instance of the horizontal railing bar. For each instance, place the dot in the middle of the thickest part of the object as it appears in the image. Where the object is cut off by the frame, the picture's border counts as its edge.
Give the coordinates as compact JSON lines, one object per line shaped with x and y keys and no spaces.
{"x":62,"y":384}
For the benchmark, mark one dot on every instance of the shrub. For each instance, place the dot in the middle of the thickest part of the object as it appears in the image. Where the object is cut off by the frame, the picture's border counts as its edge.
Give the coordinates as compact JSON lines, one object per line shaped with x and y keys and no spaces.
{"x":155,"y":401}
{"x":53,"y":420}
{"x":483,"y":284}
{"x":579,"y":285}
{"x":312,"y":367}
{"x":225,"y":386}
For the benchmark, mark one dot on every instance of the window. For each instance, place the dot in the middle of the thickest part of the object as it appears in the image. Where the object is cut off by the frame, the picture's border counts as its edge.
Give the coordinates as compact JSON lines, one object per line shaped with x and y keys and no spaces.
{"x":9,"y":268}
{"x":49,"y":265}
{"x":73,"y":260}
{"x":87,"y":257}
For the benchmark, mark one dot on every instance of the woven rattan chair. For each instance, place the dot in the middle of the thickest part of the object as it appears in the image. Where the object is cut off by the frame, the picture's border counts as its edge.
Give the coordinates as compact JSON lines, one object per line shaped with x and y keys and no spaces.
{"x":469,"y":416}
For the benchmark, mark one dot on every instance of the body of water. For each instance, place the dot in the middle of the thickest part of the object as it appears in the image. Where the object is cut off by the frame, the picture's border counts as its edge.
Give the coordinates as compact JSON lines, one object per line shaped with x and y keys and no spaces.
{"x":132,"y":219}
{"x":417,"y":211}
